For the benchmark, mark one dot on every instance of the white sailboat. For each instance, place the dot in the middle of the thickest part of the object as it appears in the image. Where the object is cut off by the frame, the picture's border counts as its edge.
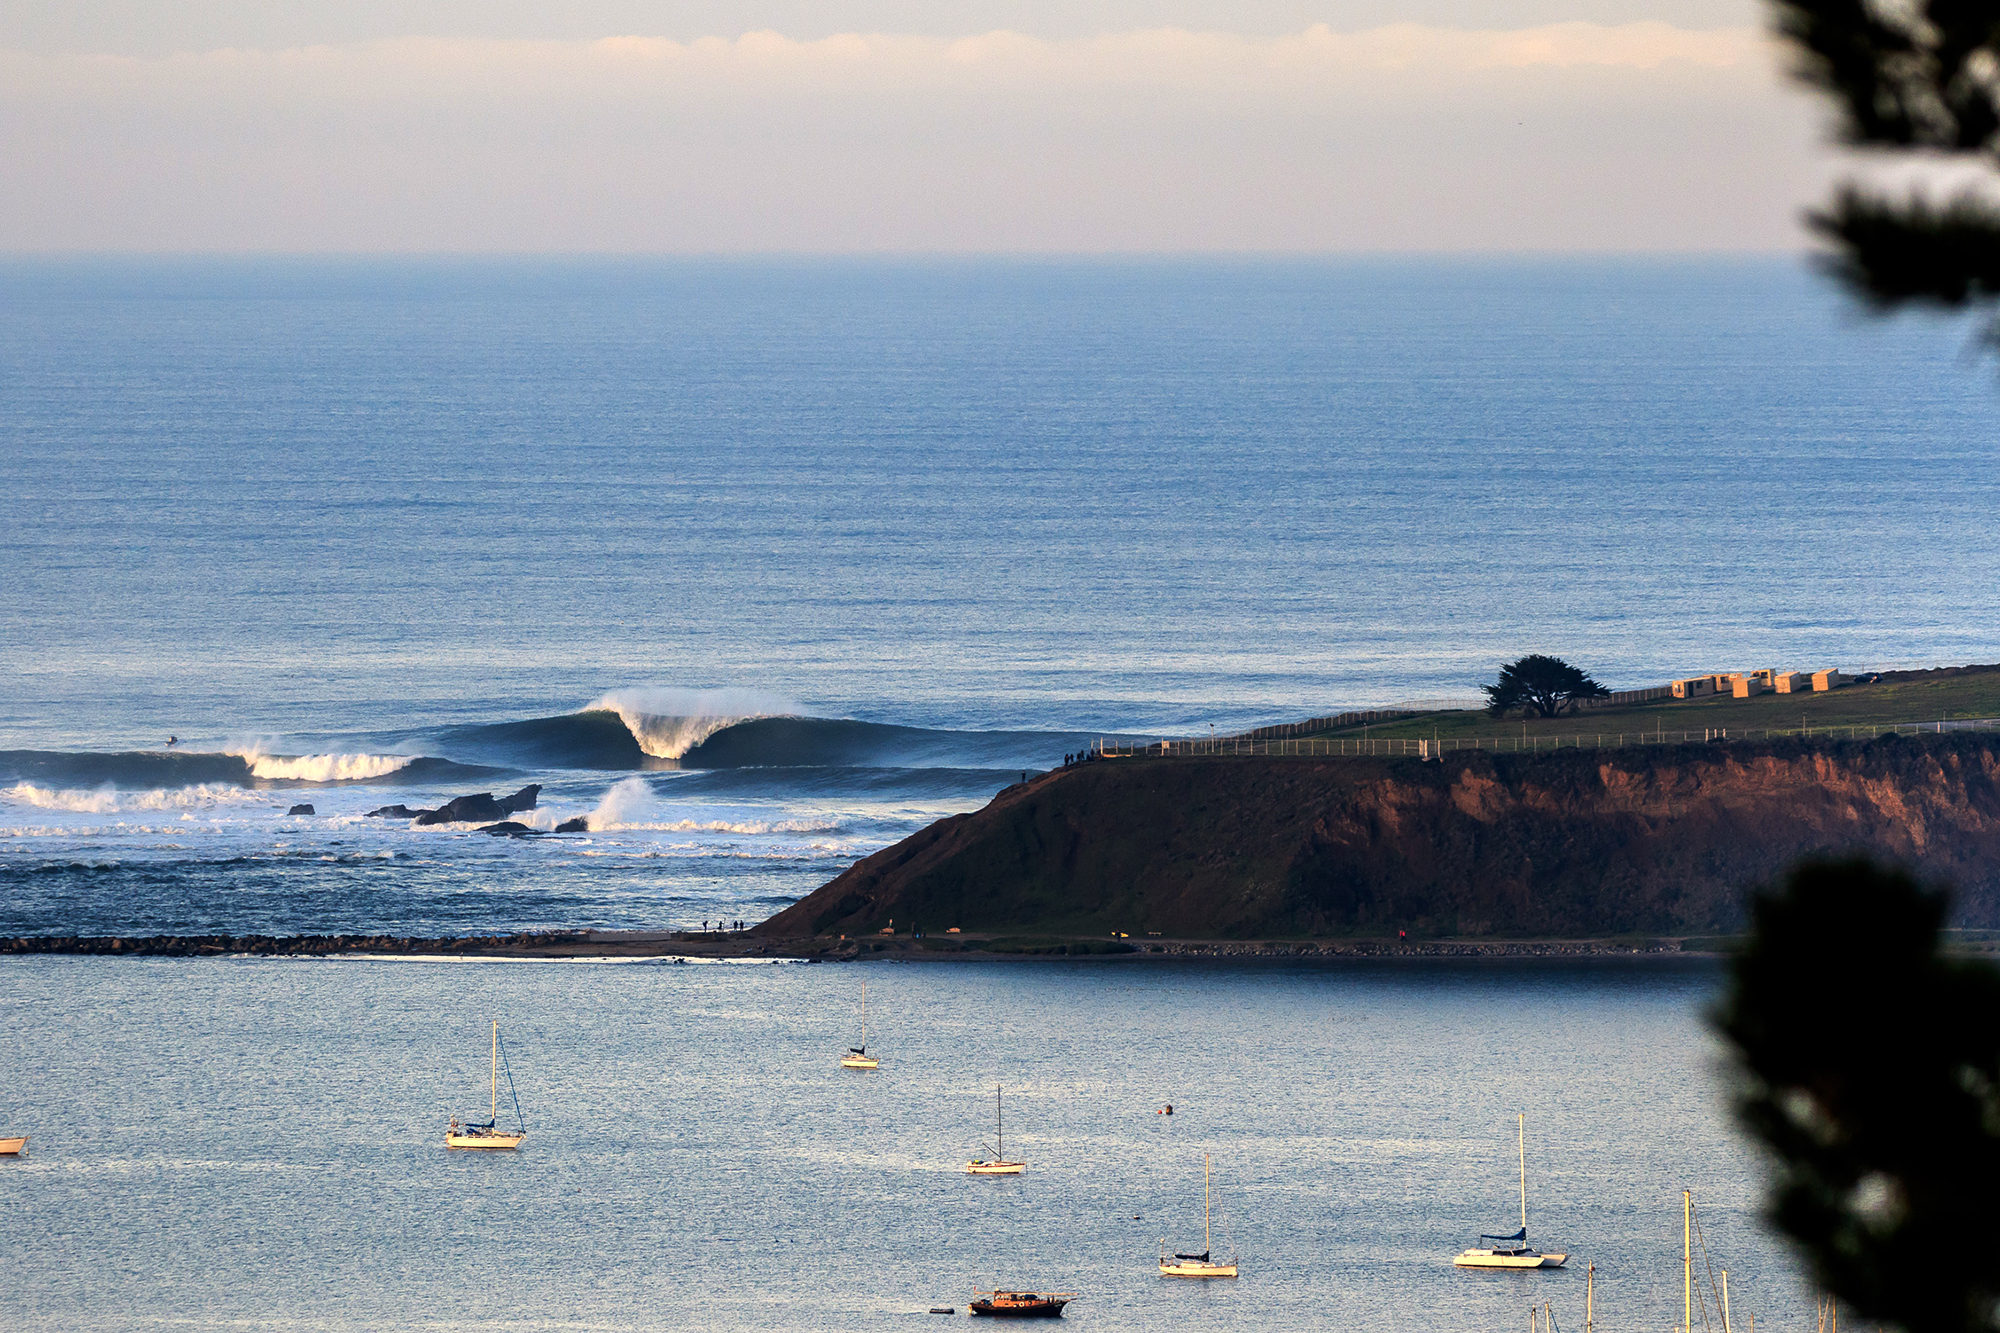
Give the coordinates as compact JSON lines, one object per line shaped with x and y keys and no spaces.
{"x":1198,"y":1265}
{"x":489,"y":1135}
{"x":1512,"y":1251}
{"x":857,"y":1057}
{"x":999,"y":1165}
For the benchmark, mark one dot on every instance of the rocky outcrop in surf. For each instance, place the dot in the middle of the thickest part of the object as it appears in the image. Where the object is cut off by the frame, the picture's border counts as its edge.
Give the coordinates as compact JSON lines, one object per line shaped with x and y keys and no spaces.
{"x":476,"y":808}
{"x":1567,"y":844}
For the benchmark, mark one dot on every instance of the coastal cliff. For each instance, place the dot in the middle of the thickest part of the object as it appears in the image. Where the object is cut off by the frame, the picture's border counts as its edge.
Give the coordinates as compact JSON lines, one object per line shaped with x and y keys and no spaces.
{"x":1569,"y":843}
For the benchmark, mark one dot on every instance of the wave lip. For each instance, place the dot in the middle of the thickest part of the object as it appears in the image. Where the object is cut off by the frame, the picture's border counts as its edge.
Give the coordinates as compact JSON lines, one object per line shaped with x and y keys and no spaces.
{"x":667,"y":723}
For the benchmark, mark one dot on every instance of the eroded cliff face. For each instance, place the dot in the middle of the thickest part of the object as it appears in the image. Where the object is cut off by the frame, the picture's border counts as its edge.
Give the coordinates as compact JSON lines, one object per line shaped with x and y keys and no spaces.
{"x":1567,"y":843}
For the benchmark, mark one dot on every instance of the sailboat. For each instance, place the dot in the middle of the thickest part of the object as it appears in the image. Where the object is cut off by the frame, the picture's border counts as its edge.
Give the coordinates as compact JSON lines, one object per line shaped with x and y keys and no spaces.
{"x":857,"y":1057}
{"x":999,"y":1166}
{"x":1198,"y":1265}
{"x":490,"y":1135}
{"x":12,"y":1147}
{"x":1512,"y":1251}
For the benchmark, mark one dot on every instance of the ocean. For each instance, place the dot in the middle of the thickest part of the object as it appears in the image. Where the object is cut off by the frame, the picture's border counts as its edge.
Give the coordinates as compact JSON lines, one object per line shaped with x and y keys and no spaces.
{"x":759,"y":566}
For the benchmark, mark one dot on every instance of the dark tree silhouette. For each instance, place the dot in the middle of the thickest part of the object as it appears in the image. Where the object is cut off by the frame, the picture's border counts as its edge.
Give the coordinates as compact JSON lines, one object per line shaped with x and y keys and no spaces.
{"x":1868,"y":1063}
{"x":1921,"y":76}
{"x":1540,"y":684}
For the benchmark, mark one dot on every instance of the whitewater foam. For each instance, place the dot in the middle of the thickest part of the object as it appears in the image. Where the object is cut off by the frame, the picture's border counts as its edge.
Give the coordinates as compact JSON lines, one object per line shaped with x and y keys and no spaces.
{"x":631,"y":807}
{"x":668,"y":722}
{"x":110,"y":801}
{"x":320,"y":767}
{"x":625,"y":801}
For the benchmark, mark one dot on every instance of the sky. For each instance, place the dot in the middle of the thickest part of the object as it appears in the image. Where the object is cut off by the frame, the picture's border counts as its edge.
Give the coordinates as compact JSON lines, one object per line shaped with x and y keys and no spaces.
{"x":992,"y":126}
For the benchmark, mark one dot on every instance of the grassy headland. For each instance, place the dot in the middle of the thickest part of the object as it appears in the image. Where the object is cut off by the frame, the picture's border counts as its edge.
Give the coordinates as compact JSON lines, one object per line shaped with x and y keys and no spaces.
{"x":1561,"y":844}
{"x":1898,"y":698}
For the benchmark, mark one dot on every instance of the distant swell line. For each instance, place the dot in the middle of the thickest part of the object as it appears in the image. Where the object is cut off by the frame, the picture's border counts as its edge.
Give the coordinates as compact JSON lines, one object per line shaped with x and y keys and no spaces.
{"x":95,"y":772}
{"x":609,"y":739}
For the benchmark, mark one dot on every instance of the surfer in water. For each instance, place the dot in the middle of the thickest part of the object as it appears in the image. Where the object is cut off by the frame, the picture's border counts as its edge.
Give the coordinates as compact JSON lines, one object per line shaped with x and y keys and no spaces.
{"x":173,"y":741}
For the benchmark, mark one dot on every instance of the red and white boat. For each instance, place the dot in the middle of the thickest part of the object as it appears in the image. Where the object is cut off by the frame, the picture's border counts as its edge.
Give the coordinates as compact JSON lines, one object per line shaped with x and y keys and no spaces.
{"x":1020,"y":1304}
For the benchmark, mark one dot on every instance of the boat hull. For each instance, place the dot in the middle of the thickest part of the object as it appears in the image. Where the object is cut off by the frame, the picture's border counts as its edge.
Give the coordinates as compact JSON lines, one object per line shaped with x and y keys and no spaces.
{"x":859,"y":1062}
{"x":1196,"y":1269}
{"x":1504,"y":1259}
{"x":12,"y":1147}
{"x":1051,"y":1309}
{"x":485,"y":1142}
{"x":995,"y":1168}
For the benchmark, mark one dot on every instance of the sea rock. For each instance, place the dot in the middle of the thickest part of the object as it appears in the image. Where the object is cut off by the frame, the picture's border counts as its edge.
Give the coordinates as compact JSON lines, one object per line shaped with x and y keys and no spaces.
{"x":396,"y":812}
{"x":480,"y":805}
{"x":577,"y":825}
{"x":301,"y":809}
{"x":506,"y":826}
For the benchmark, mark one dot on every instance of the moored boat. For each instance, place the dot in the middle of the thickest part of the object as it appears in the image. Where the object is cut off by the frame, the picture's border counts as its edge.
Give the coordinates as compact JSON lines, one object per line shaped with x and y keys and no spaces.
{"x":997,"y":1165}
{"x":1020,"y":1304}
{"x":1203,"y":1264}
{"x":12,"y":1147}
{"x":489,"y":1135}
{"x":1512,"y":1251}
{"x":857,"y":1057}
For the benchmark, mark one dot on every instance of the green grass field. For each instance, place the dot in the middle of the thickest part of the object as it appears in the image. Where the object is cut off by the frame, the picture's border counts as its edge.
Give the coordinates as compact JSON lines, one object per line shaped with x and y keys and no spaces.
{"x":1906,"y":697}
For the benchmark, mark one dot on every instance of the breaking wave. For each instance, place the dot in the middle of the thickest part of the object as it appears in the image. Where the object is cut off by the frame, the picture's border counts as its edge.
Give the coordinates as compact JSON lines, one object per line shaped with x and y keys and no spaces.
{"x":721,"y":730}
{"x":156,"y":770}
{"x":632,"y":730}
{"x":322,"y":767}
{"x":108,"y":801}
{"x":667,"y":723}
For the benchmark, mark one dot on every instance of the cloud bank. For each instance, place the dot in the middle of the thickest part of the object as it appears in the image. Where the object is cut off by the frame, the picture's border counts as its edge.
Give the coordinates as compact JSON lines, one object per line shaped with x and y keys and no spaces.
{"x":1574,"y":135}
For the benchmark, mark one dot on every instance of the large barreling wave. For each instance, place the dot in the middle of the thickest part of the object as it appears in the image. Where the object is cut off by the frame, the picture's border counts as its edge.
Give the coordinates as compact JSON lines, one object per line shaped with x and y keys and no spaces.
{"x":654,"y":727}
{"x":667,"y":723}
{"x":625,"y":730}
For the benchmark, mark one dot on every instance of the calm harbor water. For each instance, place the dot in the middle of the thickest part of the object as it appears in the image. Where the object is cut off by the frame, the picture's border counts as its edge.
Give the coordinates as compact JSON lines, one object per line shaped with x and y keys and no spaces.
{"x":234,"y":1144}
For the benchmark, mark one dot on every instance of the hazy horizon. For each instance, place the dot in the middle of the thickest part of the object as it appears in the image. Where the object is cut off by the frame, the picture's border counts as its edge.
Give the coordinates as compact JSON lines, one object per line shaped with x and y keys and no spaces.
{"x":1592,"y":126}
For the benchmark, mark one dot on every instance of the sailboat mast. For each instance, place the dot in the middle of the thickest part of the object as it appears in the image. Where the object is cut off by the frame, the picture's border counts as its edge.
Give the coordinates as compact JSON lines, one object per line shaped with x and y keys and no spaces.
{"x":1521,"y":1142}
{"x":999,"y":1130}
{"x":1205,"y":1244}
{"x":864,"y":1015}
{"x":1725,"y":1301}
{"x":1590,"y":1299}
{"x":493,"y":1082}
{"x":1687,"y":1261}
